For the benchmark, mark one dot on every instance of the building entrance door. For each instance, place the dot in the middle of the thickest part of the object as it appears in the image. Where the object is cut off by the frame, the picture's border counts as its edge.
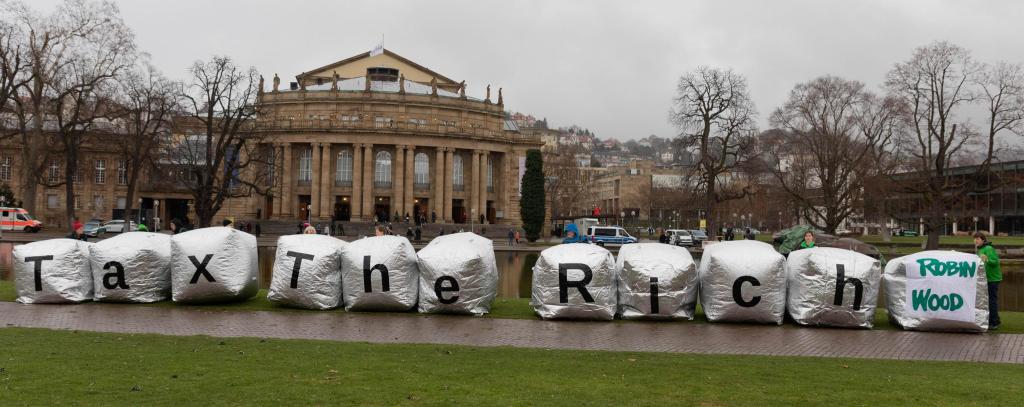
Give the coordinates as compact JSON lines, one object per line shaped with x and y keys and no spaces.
{"x":342,"y":209}
{"x":304,"y":207}
{"x":459,"y":214}
{"x":268,"y":208}
{"x":421,"y":210}
{"x":491,"y":213}
{"x":382,"y":208}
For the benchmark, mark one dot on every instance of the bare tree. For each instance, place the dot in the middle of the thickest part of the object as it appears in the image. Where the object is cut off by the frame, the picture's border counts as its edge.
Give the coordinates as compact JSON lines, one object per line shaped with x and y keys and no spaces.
{"x":1002,"y":93}
{"x":826,"y":156}
{"x":146,"y":103}
{"x":72,"y":55}
{"x":936,"y":86}
{"x":13,"y":69}
{"x":219,"y":155}
{"x":715,"y":115}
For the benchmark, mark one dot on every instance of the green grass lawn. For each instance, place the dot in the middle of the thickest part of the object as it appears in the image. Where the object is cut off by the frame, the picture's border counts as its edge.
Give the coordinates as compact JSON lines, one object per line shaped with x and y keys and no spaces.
{"x":43,"y":367}
{"x":509,"y":308}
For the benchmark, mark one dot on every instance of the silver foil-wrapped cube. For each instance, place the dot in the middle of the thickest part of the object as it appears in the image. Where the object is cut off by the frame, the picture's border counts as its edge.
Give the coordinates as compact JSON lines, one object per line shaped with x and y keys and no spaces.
{"x":656,"y":281}
{"x":132,"y":267}
{"x":52,"y":272}
{"x":215,"y":264}
{"x":458,"y":275}
{"x":832,"y":287}
{"x":379,"y":274}
{"x":937,"y":290}
{"x":743,"y":281}
{"x":574,"y":281}
{"x":307,"y":272}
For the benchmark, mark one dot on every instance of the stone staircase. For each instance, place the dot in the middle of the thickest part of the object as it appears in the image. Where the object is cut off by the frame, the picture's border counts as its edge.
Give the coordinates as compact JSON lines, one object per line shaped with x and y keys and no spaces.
{"x":273,"y":228}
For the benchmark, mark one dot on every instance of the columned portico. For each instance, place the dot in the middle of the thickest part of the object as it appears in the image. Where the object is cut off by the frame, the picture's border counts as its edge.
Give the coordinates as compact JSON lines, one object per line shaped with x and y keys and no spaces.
{"x":326,"y":175}
{"x":438,"y":205}
{"x":398,"y":184}
{"x":357,"y":182}
{"x":368,"y":213}
{"x":448,"y":187}
{"x":314,"y":182}
{"x":410,"y":181}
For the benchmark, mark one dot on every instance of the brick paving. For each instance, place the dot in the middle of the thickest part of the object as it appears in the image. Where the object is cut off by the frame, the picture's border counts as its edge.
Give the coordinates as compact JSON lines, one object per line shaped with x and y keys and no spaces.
{"x":460,"y":330}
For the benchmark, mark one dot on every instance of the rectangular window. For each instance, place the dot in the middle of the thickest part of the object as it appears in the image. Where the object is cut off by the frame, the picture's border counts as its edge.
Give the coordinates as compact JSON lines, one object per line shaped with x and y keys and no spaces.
{"x":122,"y":202}
{"x":101,"y":172}
{"x":418,"y":122}
{"x":383,"y":122}
{"x":97,"y":201}
{"x":53,"y":175}
{"x":343,"y":168}
{"x":271,"y":167}
{"x":78,"y":202}
{"x":122,"y":172}
{"x":52,"y":201}
{"x":5,"y":168}
{"x":76,"y":176}
{"x":306,"y":166}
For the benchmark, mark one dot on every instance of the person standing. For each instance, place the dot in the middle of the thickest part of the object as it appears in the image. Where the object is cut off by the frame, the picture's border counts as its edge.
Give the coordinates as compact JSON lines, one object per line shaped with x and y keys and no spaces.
{"x":808,"y":241}
{"x":993,"y":274}
{"x":78,"y":232}
{"x":177,"y":226}
{"x":511,"y":236}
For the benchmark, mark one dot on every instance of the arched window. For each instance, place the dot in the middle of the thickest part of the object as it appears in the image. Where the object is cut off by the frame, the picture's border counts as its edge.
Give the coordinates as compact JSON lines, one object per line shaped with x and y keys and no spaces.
{"x":457,"y":179}
{"x":422,"y":168}
{"x":382,"y":171}
{"x":306,"y":165}
{"x":343,"y":172}
{"x":490,"y":175}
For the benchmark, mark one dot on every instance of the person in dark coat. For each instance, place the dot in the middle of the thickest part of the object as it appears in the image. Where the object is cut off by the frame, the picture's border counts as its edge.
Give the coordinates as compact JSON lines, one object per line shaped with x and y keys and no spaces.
{"x":78,"y":232}
{"x":663,"y":238}
{"x":177,"y":226}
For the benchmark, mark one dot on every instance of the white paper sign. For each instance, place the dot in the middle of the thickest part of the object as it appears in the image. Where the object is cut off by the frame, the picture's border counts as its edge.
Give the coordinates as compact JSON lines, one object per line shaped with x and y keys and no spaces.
{"x":942,"y":285}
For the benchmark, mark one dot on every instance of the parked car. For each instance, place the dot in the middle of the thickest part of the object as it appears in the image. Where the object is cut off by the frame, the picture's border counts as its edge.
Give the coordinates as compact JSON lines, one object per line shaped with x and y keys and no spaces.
{"x":602,"y":235}
{"x":908,"y":232}
{"x":698,"y":236}
{"x":95,"y":228}
{"x":18,"y":219}
{"x":117,"y":226}
{"x":680,"y":237}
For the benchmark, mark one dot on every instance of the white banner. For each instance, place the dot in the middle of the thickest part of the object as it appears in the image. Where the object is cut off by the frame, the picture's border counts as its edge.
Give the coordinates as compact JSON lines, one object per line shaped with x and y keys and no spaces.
{"x":942,"y":285}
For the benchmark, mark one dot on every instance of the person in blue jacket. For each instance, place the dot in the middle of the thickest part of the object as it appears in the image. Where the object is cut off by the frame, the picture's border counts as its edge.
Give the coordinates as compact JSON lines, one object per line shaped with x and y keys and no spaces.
{"x":572,"y":234}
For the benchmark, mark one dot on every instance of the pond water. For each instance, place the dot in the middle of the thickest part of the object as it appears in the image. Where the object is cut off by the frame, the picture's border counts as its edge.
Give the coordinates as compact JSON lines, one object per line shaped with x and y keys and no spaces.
{"x":515,"y":270}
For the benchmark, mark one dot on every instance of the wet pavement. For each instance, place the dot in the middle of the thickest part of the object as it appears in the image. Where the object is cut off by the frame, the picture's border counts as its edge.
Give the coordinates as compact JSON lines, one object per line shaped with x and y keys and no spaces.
{"x":679,"y":337}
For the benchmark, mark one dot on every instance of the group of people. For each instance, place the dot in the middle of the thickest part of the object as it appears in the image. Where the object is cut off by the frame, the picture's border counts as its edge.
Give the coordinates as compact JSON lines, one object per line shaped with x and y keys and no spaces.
{"x":513,"y":236}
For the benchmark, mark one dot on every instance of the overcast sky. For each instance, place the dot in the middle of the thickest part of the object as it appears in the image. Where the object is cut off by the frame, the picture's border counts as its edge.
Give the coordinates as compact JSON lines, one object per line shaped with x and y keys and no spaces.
{"x":610,"y":66}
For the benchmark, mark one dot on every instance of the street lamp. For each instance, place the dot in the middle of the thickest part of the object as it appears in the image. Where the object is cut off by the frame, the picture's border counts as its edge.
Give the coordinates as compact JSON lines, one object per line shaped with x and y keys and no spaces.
{"x":140,"y":211}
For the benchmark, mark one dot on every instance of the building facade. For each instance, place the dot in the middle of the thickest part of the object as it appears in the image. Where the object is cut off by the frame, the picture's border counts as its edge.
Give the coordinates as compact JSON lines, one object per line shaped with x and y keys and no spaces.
{"x":366,"y":138}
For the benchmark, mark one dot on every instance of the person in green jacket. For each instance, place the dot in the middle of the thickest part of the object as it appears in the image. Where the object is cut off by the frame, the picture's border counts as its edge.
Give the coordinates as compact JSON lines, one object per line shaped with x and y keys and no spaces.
{"x":808,"y":241}
{"x":992,"y":274}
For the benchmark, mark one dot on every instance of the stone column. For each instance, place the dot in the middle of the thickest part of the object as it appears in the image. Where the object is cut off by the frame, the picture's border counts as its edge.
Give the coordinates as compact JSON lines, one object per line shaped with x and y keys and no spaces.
{"x":955,"y":225}
{"x":992,"y":225}
{"x":368,"y":158}
{"x":398,"y":181}
{"x":356,"y":202}
{"x":278,"y":179}
{"x":437,"y":206}
{"x":483,"y":185}
{"x":474,"y":188}
{"x":286,"y":181}
{"x":326,"y":175}
{"x":449,"y":153}
{"x":410,"y":180}
{"x":314,"y":181}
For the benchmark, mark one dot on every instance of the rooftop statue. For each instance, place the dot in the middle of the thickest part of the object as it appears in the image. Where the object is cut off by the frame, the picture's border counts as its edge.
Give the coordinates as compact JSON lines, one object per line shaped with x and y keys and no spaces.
{"x":277,"y":82}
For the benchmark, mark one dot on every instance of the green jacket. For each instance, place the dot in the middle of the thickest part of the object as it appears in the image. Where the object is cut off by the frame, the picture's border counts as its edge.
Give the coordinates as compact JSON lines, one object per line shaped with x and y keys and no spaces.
{"x":992,"y":271}
{"x":804,"y":245}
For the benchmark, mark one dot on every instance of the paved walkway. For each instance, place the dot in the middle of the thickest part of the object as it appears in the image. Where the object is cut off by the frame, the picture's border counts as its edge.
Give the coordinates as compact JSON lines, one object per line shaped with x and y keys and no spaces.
{"x":461,"y":330}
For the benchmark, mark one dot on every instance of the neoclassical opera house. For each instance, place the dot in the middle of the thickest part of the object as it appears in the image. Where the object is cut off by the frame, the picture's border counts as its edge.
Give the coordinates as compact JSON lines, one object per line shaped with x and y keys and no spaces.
{"x":376,"y":135}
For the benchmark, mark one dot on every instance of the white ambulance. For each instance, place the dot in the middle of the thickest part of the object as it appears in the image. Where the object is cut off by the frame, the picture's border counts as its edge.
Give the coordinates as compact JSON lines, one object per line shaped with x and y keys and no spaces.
{"x":19,"y":219}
